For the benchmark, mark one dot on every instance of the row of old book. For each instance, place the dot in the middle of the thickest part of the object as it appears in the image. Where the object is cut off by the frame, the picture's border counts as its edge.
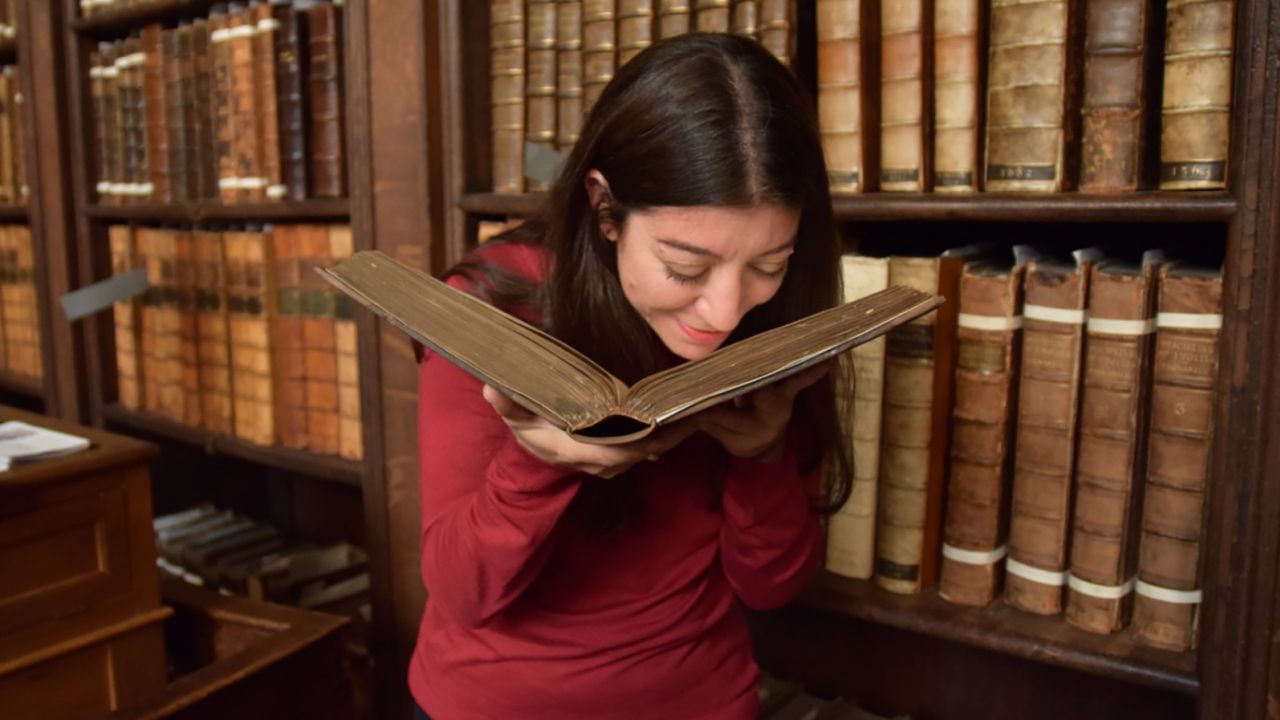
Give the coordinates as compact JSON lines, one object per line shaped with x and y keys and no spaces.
{"x":549,"y":61}
{"x":9,"y":19}
{"x":1049,"y":427}
{"x":244,"y":106}
{"x":19,"y":315}
{"x":238,"y":334}
{"x":14,"y":187}
{"x":1106,"y":96}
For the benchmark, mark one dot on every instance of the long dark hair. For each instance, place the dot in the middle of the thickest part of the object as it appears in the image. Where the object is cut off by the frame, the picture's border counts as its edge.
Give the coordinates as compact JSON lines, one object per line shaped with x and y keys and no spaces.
{"x":699,"y":119}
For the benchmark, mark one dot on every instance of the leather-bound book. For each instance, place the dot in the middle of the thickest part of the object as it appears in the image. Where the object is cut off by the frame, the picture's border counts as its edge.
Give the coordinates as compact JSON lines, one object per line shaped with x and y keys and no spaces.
{"x":6,"y":275}
{"x":674,"y":18}
{"x":146,"y":255}
{"x":212,"y":331}
{"x":128,"y":388}
{"x":635,"y":28}
{"x":246,"y":151}
{"x":191,"y":122}
{"x":169,"y":327}
{"x":20,"y":132}
{"x":903,"y":98}
{"x":286,"y":342}
{"x":253,"y":302}
{"x":8,"y":190}
{"x":291,"y":98}
{"x":506,"y":94}
{"x":325,"y":80}
{"x":266,"y":32}
{"x":568,"y":74}
{"x":1054,"y":312}
{"x":916,"y":427}
{"x":778,"y":28}
{"x":540,"y":85}
{"x":222,"y":93}
{"x":1111,"y":451}
{"x":986,"y":394}
{"x":204,"y":173}
{"x":1031,"y":84}
{"x":184,"y":269}
{"x":1195,"y":124}
{"x":840,"y":93}
{"x":851,"y":532}
{"x":128,"y":89}
{"x":176,"y":115}
{"x":1119,"y":58}
{"x":1183,"y":400}
{"x":319,"y":339}
{"x":31,"y":359}
{"x":957,"y":91}
{"x":711,"y":16}
{"x":746,"y":18}
{"x":97,"y":103}
{"x":154,"y":99}
{"x":113,"y":109}
{"x":10,"y":311}
{"x":599,"y":48}
{"x":350,"y":427}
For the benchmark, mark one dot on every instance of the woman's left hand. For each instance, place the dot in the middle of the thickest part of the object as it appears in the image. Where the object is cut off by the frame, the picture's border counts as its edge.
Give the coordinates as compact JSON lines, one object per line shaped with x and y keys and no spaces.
{"x":755,"y":425}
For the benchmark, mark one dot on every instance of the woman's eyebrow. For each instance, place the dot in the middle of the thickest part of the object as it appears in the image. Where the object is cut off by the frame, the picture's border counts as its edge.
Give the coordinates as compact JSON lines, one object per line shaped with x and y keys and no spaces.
{"x":695,"y":250}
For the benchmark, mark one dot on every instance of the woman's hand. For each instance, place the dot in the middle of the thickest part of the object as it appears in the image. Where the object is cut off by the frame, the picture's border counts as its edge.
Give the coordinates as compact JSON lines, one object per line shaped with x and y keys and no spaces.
{"x":755,"y":425}
{"x":556,"y":447}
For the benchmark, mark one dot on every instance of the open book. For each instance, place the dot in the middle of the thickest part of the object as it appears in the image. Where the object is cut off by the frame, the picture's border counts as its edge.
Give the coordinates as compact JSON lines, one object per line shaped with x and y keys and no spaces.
{"x":21,"y":443}
{"x":562,"y":385}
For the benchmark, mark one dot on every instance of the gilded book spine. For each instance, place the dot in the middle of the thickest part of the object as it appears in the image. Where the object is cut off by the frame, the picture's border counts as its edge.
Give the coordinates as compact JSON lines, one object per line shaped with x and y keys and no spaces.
{"x":746,"y":18}
{"x":506,"y":87}
{"x":540,"y":86}
{"x":840,"y":92}
{"x":712,"y":16}
{"x":1195,"y":127}
{"x":902,"y":95}
{"x":599,"y":48}
{"x":635,"y":28}
{"x":956,"y":91}
{"x":673,"y":18}
{"x":778,"y":28}
{"x":568,"y":74}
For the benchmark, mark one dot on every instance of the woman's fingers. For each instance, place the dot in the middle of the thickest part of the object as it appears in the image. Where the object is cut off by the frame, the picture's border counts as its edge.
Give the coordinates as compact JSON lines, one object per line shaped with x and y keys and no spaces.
{"x":509,"y":409}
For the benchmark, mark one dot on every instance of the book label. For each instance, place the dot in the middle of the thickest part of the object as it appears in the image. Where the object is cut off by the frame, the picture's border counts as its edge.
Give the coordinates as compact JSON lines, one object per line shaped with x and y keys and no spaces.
{"x":1021,"y":172}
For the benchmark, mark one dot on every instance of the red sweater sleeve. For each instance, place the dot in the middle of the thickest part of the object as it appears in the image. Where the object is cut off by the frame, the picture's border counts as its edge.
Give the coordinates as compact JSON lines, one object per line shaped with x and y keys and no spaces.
{"x":489,"y":507}
{"x":771,"y":542}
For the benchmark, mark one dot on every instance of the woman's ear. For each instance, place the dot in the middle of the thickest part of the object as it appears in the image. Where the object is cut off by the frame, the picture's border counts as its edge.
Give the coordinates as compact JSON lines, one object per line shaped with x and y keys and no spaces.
{"x":601,"y":201}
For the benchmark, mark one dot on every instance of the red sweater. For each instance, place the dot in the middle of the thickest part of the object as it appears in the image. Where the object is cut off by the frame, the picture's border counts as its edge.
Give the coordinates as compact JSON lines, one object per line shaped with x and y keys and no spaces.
{"x":532,"y":615}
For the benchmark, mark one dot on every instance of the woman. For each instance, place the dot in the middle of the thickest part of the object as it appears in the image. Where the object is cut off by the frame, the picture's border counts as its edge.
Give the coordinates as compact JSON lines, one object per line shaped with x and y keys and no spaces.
{"x":569,"y":580}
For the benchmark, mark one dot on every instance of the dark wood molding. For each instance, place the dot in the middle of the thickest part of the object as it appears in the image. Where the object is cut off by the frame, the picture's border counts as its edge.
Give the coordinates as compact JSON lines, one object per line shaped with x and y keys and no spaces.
{"x":329,"y":209}
{"x":14,"y":213}
{"x":22,"y":384}
{"x":120,"y":22}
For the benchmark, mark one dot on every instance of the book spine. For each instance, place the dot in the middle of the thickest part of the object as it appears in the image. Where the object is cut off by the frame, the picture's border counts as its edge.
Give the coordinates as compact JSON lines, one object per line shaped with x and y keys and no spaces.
{"x":203,"y":132}
{"x":291,"y":100}
{"x":120,"y":239}
{"x":130,"y":125}
{"x":902,"y":95}
{"x":778,"y":28}
{"x":176,"y":117}
{"x":184,"y":265}
{"x":266,"y":29}
{"x":319,"y":340}
{"x":746,"y":18}
{"x":325,"y":79}
{"x":1112,"y":447}
{"x":31,"y":363}
{"x":1028,"y":95}
{"x":599,"y":48}
{"x":194,"y":160}
{"x":246,"y":152}
{"x":540,"y":85}
{"x":1195,"y":127}
{"x":1049,"y":399}
{"x":115,"y":122}
{"x":568,"y":74}
{"x":212,"y":333}
{"x":1111,"y":140}
{"x":712,"y":16}
{"x":674,"y":18}
{"x":956,"y":90}
{"x":851,"y":531}
{"x":351,"y":431}
{"x":287,"y":341}
{"x":98,"y":102}
{"x":148,"y":315}
{"x":169,"y":330}
{"x":635,"y":28}
{"x":8,"y":189}
{"x":20,"y":133}
{"x":1183,"y":400}
{"x":154,"y":100}
{"x":506,"y":88}
{"x":840,"y":92}
{"x":251,"y":314}
{"x":221,"y":107}
{"x":986,"y":393}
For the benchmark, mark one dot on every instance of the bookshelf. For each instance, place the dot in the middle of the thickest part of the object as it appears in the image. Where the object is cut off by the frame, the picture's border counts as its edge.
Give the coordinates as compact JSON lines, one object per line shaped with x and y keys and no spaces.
{"x":313,"y":210}
{"x":1227,"y":676}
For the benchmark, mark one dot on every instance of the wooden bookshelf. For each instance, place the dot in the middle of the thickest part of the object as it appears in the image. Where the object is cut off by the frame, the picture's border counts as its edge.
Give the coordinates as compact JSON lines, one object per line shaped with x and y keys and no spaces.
{"x":22,"y":384}
{"x":327,"y":467}
{"x":320,"y":209}
{"x":115,"y":23}
{"x":13,"y":213}
{"x":8,"y":51}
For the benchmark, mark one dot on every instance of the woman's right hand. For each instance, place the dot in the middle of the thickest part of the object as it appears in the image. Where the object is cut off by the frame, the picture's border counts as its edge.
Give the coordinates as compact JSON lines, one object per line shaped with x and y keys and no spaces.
{"x":556,"y":447}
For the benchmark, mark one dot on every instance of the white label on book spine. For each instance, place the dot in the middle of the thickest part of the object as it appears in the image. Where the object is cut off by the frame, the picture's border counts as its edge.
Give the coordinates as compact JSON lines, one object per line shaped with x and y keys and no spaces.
{"x":1055,"y":315}
{"x":1178,"y":597}
{"x":1102,"y":592}
{"x":1035,"y":574}
{"x":992,"y":323}
{"x":1107,"y":326}
{"x":974,"y":557}
{"x":1189,"y":321}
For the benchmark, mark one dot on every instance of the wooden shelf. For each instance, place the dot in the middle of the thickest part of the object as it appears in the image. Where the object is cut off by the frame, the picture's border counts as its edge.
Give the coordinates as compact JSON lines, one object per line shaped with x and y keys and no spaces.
{"x":1002,"y":629}
{"x":11,"y":213}
{"x":116,"y":23}
{"x":8,"y":50}
{"x":318,"y":209}
{"x":329,"y":467}
{"x":22,"y":384}
{"x":1063,"y":207}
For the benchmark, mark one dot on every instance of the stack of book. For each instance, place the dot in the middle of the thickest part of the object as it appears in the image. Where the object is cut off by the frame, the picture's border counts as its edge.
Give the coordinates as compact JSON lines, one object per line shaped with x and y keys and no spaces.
{"x":20,"y":343}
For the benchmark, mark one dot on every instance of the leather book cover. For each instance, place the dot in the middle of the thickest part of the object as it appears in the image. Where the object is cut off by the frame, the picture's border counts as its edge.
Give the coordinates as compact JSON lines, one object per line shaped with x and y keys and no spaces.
{"x":1031,"y":96}
{"x":916,"y":426}
{"x":711,"y":16}
{"x":97,"y":104}
{"x":291,"y":99}
{"x":569,"y":113}
{"x":1195,"y":120}
{"x":31,"y":363}
{"x":113,"y":110}
{"x":176,"y":116}
{"x":191,"y":124}
{"x":246,"y":152}
{"x":1111,"y":450}
{"x":599,"y":48}
{"x":506,"y":93}
{"x":204,"y":174}
{"x":184,"y":269}
{"x":746,"y":18}
{"x":325,"y":79}
{"x":287,"y":343}
{"x":840,"y":95}
{"x":128,"y":377}
{"x":1116,"y":133}
{"x":540,"y":81}
{"x":212,"y":331}
{"x":957,"y":91}
{"x":148,"y":307}
{"x":635,"y":28}
{"x":904,"y":96}
{"x":169,"y":328}
{"x":222,"y":93}
{"x":350,"y":428}
{"x":1183,"y":400}
{"x":253,"y":302}
{"x":154,"y":98}
{"x":988,"y":337}
{"x":1054,"y":312}
{"x":675,"y":17}
{"x":778,"y":28}
{"x":266,"y":29}
{"x":20,"y":132}
{"x":319,"y":339}
{"x":8,"y":187}
{"x":851,"y":532}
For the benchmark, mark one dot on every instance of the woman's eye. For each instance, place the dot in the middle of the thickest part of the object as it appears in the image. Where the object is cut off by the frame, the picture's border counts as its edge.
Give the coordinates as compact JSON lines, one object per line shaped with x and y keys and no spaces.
{"x":684,"y":278}
{"x":771,"y":271}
